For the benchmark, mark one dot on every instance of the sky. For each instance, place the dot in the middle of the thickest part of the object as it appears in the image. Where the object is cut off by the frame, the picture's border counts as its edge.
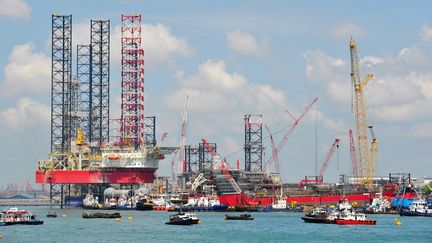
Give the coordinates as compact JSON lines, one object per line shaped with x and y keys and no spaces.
{"x":234,"y":58}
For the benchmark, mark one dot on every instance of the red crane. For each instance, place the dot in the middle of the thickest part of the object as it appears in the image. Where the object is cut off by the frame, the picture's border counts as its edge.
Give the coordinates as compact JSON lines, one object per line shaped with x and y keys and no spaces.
{"x":218,"y":161}
{"x":353,"y":154}
{"x":282,"y":143}
{"x":319,"y":178}
{"x":274,"y":151}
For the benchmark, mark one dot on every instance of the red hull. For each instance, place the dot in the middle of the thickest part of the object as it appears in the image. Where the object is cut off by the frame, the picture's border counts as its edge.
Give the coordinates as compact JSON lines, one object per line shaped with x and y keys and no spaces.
{"x":355,"y":222}
{"x":241,"y":199}
{"x":117,"y":176}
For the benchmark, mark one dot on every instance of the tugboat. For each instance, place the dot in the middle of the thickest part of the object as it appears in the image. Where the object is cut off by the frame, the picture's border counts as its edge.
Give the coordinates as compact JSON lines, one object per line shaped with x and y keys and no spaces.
{"x":144,"y":205}
{"x":241,"y":217}
{"x":319,"y":215}
{"x":419,"y":207}
{"x":175,"y":219}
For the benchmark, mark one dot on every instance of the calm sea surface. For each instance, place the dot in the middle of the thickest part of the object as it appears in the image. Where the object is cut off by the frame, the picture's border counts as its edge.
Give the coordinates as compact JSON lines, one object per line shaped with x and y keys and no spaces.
{"x":267,"y":227}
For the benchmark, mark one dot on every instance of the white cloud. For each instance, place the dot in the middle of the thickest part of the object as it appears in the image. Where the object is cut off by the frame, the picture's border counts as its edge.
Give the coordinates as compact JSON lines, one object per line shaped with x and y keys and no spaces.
{"x":421,"y":131}
{"x":245,"y":43}
{"x":347,"y":30}
{"x":336,"y":125}
{"x":397,"y":94}
{"x":15,"y":9}
{"x":27,"y":70}
{"x":159,"y":44}
{"x":426,"y":32}
{"x":26,"y":113}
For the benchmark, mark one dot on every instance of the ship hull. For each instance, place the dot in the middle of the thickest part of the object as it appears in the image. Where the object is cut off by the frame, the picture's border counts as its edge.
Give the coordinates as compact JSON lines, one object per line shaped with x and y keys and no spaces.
{"x":118,"y":176}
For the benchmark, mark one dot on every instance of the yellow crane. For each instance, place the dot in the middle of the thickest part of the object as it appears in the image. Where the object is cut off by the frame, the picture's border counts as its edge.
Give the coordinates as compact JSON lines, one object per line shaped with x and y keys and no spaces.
{"x":363,"y":156}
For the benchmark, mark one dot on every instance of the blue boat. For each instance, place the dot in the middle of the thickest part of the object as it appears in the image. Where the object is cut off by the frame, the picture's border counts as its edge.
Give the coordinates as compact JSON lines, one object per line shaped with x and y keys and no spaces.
{"x":419,"y":207}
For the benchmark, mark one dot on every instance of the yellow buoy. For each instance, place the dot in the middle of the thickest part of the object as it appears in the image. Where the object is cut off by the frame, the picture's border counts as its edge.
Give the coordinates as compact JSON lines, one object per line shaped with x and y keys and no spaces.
{"x":395,"y":219}
{"x":64,"y":215}
{"x":129,"y":218}
{"x":117,"y":219}
{"x":398,"y":223}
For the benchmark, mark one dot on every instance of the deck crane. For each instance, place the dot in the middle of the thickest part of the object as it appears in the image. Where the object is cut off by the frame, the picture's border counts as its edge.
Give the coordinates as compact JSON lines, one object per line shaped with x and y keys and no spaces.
{"x":282,"y":143}
{"x":219,"y":162}
{"x":319,"y":178}
{"x":353,"y":154}
{"x":373,"y":150}
{"x":363,"y":159}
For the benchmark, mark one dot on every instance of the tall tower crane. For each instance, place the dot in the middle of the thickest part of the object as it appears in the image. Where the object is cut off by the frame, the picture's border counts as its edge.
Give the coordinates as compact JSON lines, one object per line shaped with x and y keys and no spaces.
{"x":182,"y":143}
{"x":282,"y":143}
{"x":363,"y":159}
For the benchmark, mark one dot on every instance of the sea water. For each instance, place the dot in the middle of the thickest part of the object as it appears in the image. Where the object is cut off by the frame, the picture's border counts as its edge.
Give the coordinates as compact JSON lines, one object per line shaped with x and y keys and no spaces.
{"x":149,"y":226}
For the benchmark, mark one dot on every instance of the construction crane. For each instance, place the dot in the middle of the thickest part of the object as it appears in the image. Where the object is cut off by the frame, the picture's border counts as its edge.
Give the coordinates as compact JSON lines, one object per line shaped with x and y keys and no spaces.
{"x":319,"y":178}
{"x":363,"y":159}
{"x":219,"y":162}
{"x":274,"y":151}
{"x":182,"y":143}
{"x":282,"y":143}
{"x":373,"y":149}
{"x":353,"y":154}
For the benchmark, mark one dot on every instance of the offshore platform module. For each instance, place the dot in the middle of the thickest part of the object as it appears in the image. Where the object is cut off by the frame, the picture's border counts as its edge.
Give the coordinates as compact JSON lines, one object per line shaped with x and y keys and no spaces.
{"x":85,"y":148}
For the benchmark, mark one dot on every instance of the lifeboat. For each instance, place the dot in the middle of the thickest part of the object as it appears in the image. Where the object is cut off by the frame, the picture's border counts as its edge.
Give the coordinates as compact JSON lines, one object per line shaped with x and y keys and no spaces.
{"x":113,"y":156}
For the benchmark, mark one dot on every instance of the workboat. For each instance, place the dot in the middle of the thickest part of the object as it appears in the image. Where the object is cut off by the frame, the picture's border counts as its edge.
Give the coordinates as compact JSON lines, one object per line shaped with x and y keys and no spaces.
{"x":144,"y":205}
{"x":195,"y":219}
{"x":92,"y":215}
{"x":419,"y":207}
{"x":12,"y":216}
{"x":52,"y":214}
{"x":354,"y":218}
{"x":319,"y":215}
{"x":176,"y":219}
{"x":240,"y":217}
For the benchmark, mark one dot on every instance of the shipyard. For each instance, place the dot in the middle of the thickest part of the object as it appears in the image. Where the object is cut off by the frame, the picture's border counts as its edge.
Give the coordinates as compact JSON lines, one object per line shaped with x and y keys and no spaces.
{"x":128,"y":119}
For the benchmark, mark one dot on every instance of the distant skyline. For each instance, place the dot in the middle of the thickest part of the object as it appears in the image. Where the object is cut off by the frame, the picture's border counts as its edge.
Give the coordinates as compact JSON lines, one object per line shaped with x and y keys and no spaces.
{"x":232,"y":59}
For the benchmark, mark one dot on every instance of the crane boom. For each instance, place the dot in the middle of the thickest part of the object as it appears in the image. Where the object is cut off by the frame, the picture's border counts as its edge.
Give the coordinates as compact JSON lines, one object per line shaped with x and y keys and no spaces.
{"x":274,"y":152}
{"x":353,"y":154}
{"x":363,"y":158}
{"x":328,"y":157}
{"x":373,"y":149}
{"x":218,"y":161}
{"x":289,"y":132}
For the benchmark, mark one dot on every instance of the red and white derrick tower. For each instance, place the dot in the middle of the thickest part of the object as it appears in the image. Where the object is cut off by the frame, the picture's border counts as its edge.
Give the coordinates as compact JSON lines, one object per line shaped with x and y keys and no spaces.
{"x":132,"y":84}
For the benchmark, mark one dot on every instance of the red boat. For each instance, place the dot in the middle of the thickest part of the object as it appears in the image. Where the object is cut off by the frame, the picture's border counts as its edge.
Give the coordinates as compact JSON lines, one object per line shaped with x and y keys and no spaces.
{"x":355,"y":222}
{"x":354,"y":218}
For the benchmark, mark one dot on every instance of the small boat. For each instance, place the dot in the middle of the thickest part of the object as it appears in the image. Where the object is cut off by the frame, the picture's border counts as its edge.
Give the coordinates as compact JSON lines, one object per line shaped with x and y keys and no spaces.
{"x":240,"y":217}
{"x":51,"y":214}
{"x":91,"y":215}
{"x":144,"y":205}
{"x":195,"y":219}
{"x":175,"y":219}
{"x":13,"y":216}
{"x":419,"y":207}
{"x":319,"y":215}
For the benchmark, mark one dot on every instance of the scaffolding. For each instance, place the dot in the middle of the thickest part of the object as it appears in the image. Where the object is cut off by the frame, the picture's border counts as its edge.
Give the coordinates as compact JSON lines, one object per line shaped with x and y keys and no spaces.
{"x":83,"y":75}
{"x":150,"y":131}
{"x":192,"y":159}
{"x":99,"y":83}
{"x":132,"y":84}
{"x":253,"y":143}
{"x":61,"y":79}
{"x":205,"y":162}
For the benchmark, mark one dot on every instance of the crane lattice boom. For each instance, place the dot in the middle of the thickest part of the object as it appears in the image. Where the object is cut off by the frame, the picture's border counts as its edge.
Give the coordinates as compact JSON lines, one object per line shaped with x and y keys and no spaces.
{"x":363,"y":158}
{"x":353,"y":154}
{"x":328,"y":157}
{"x":288,"y":133}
